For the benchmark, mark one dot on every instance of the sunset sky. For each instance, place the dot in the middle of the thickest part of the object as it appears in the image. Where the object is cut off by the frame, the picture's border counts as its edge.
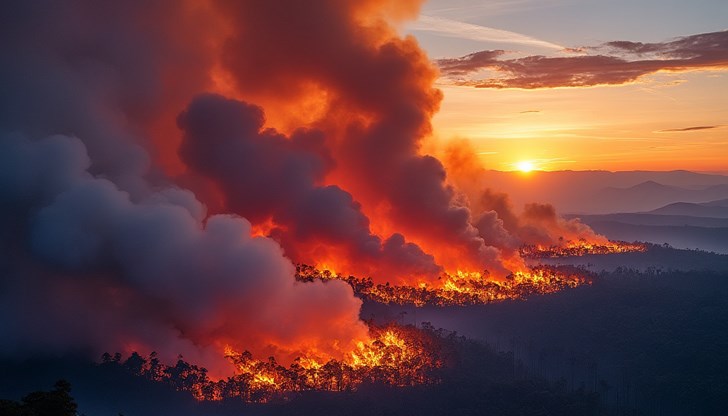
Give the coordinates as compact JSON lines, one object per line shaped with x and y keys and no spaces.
{"x":658,"y":105}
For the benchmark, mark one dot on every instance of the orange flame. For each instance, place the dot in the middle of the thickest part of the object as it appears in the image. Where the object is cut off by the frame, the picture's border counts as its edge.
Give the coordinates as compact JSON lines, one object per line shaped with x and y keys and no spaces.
{"x":461,"y":287}
{"x":581,"y":248}
{"x":394,"y":355}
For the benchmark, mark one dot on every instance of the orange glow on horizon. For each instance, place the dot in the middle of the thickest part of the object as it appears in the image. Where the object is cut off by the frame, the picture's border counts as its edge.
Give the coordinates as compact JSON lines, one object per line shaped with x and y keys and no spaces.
{"x":525,"y":166}
{"x":644,"y":125}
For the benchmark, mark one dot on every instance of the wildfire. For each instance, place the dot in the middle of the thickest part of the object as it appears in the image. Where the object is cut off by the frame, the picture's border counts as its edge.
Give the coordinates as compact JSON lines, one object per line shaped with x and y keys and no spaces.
{"x":460,"y":288}
{"x":388,"y":350}
{"x":394,"y":355}
{"x":581,"y":248}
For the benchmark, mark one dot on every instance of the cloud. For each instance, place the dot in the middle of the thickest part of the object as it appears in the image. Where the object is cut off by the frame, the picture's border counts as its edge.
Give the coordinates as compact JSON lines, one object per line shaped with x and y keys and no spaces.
{"x":615,"y":63}
{"x":462,"y":30}
{"x":692,"y":128}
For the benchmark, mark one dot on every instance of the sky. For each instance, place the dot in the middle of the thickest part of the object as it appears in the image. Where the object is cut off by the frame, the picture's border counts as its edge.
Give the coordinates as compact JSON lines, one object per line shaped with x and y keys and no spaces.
{"x":660,"y":108}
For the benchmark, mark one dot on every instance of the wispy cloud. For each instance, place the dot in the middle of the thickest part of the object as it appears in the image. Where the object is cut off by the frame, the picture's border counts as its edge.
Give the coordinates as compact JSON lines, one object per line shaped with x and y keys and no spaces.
{"x":469,"y":9}
{"x":693,"y":128}
{"x":615,"y":63}
{"x":463,"y":30}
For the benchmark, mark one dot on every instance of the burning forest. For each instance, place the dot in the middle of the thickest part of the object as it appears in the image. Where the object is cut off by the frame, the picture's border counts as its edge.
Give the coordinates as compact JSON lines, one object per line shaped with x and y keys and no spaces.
{"x":164,"y":166}
{"x":460,"y":288}
{"x":581,"y":248}
{"x":396,"y":356}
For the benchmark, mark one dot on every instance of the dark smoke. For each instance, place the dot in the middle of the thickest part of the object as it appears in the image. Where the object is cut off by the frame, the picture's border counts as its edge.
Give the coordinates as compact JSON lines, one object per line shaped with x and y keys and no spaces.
{"x":194,"y":286}
{"x":265,"y":175}
{"x":142,"y":209}
{"x":100,"y":250}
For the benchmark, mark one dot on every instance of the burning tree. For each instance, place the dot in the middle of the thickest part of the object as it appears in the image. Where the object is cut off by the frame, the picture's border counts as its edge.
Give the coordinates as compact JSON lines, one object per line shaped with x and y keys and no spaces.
{"x":395,"y":355}
{"x":460,"y":288}
{"x":580,"y":248}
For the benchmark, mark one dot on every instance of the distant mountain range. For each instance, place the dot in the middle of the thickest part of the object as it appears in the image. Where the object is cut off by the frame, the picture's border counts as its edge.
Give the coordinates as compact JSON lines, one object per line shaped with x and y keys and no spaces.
{"x":714,"y":209}
{"x":681,"y":224}
{"x":650,"y":194}
{"x":639,"y":218}
{"x":681,"y":208}
{"x":686,"y":237}
{"x":602,"y":192}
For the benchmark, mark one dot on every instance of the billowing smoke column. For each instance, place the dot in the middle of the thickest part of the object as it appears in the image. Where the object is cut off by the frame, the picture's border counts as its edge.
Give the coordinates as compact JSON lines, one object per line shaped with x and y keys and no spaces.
{"x":90,"y":265}
{"x":225,"y":140}
{"x":163,"y":164}
{"x":375,"y":98}
{"x":99,"y":250}
{"x":498,"y":222}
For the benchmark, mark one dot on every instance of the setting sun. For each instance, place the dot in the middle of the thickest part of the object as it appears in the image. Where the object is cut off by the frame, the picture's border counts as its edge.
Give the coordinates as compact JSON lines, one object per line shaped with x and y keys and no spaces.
{"x":524,"y":166}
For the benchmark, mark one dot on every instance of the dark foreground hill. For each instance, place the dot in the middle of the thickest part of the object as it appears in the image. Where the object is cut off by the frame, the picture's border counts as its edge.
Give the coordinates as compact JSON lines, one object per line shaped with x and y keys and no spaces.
{"x":476,"y":381}
{"x":650,"y":342}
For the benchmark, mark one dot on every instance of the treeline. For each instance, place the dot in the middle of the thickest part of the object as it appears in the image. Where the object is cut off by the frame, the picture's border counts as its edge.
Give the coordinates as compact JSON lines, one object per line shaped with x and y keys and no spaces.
{"x":459,"y":290}
{"x":182,"y":376}
{"x":56,"y":402}
{"x":580,"y":248}
{"x":474,"y":379}
{"x":410,"y":357}
{"x":647,"y":342}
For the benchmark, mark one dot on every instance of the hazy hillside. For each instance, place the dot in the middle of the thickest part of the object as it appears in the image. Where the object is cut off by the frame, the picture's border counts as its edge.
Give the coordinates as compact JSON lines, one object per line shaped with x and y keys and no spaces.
{"x":639,"y":218}
{"x":650,"y":195}
{"x":656,"y":258}
{"x":704,"y":238}
{"x":602,"y":192}
{"x":716,"y":209}
{"x":720,"y":203}
{"x":682,"y":224}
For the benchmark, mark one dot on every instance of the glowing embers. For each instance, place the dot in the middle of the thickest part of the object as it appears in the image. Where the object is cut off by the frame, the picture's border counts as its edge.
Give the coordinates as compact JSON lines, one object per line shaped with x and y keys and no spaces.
{"x":395,"y":355}
{"x":581,"y":248}
{"x":461,"y":288}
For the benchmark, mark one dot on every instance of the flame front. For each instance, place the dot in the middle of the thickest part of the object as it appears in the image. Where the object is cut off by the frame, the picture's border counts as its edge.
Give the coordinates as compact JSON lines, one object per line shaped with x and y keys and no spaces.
{"x":461,"y":287}
{"x":396,"y":356}
{"x":581,"y":247}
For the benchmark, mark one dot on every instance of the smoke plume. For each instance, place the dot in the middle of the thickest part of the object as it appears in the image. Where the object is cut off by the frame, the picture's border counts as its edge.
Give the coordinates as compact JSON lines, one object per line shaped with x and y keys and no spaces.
{"x":499,"y":223}
{"x":224,"y":140}
{"x":164,"y":164}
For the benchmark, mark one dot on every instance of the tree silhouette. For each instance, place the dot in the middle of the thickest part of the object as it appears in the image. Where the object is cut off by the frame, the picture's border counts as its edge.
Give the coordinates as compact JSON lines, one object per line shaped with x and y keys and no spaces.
{"x":57,"y":402}
{"x":135,"y":364}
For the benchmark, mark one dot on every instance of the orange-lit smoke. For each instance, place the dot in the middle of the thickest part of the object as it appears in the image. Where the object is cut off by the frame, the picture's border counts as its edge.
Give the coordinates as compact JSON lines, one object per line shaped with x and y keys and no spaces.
{"x":368,"y":96}
{"x":499,"y":223}
{"x":181,"y":156}
{"x":340,"y":177}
